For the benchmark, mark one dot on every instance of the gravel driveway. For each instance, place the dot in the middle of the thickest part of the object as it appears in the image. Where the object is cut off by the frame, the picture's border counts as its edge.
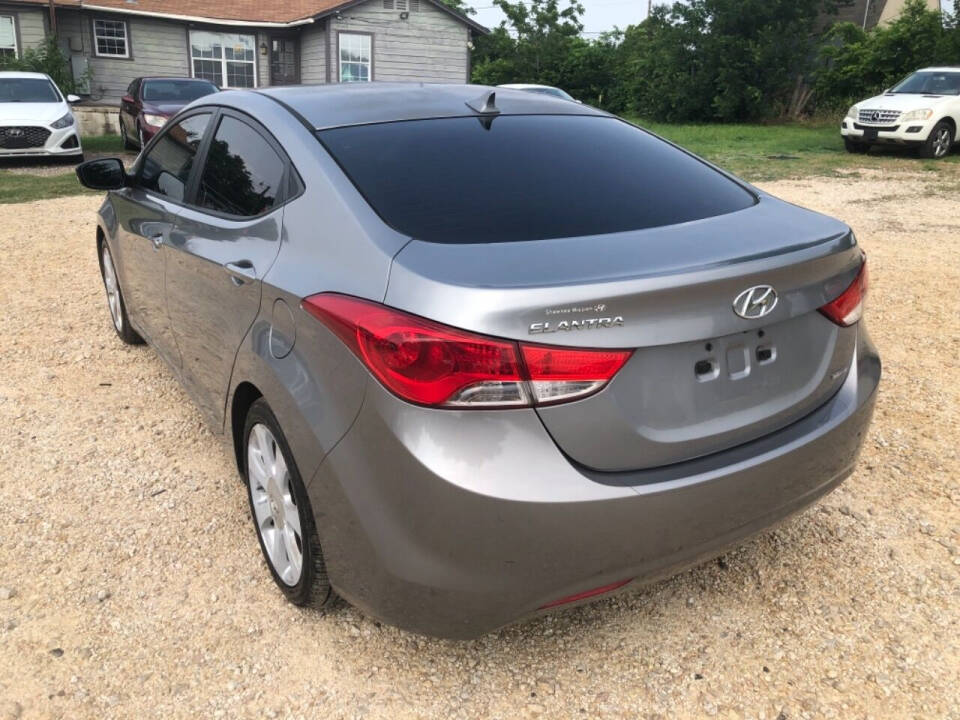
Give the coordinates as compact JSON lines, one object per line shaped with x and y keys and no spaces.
{"x":131,"y":584}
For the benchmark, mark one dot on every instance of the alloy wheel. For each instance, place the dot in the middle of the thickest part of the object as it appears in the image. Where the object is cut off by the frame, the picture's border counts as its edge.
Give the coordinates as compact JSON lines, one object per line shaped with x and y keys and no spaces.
{"x":274,"y":504}
{"x":112,"y":288}
{"x":941,"y":143}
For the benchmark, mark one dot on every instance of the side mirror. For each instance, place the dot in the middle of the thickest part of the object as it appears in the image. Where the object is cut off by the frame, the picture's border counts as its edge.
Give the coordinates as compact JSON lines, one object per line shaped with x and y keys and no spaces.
{"x":102,"y":174}
{"x":73,"y":98}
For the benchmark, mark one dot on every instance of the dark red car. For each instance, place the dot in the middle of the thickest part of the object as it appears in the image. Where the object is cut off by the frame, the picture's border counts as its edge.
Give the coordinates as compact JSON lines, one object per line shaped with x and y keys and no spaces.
{"x":151,"y":101}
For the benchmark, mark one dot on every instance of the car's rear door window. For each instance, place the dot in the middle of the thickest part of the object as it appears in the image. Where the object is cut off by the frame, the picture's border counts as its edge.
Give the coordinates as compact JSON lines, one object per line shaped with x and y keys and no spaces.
{"x":166,"y":168}
{"x":243,"y":174}
{"x":514,"y":178}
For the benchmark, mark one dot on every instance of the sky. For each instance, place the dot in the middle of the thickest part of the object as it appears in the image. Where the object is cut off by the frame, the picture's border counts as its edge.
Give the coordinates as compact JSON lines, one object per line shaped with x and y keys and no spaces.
{"x":600,"y":15}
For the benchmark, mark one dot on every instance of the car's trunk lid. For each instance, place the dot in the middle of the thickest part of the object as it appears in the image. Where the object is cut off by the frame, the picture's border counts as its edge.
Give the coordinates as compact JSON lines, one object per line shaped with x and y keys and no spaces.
{"x":701,"y":378}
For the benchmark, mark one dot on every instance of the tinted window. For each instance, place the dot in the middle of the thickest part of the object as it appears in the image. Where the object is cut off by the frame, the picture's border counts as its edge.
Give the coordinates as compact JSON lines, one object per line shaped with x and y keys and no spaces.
{"x":176,"y":91}
{"x":27,"y":90}
{"x":464,"y":180}
{"x":166,"y":168}
{"x":242,"y":174}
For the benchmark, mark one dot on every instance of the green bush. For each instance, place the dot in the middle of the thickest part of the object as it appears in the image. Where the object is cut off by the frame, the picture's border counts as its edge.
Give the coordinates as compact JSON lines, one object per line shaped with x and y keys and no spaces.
{"x":48,"y":58}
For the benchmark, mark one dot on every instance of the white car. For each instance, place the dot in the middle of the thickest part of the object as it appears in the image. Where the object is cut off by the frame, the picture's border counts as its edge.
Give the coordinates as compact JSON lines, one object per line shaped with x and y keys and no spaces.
{"x":35,"y":118}
{"x":922,"y":111}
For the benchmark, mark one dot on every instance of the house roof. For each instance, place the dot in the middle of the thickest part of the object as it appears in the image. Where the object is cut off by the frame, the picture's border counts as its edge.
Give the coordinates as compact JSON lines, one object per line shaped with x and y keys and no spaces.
{"x":251,"y":12}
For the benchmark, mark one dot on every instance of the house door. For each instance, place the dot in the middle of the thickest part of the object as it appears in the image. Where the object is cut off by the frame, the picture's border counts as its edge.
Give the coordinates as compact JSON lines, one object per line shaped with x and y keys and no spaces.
{"x":284,"y":61}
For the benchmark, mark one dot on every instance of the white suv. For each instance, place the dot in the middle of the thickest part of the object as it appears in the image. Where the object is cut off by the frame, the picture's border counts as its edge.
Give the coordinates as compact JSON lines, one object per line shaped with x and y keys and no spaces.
{"x":922,"y":111}
{"x":35,"y":118}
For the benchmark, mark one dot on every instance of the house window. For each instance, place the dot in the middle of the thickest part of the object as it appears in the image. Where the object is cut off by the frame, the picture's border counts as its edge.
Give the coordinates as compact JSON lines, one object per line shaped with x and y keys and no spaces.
{"x":356,"y":57}
{"x":110,"y":38}
{"x":8,"y":37}
{"x":225,"y":59}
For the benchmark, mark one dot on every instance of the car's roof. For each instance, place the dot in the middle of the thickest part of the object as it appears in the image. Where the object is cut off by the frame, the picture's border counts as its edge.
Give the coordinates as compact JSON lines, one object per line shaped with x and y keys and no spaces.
{"x":943,"y":68}
{"x":174,"y":77}
{"x":527,"y":86}
{"x":34,"y":75}
{"x":336,"y":105}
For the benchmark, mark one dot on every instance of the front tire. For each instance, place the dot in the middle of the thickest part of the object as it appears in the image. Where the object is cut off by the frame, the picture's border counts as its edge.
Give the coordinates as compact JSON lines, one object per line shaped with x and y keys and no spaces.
{"x":280,"y":509}
{"x":127,"y":143}
{"x":115,"y":301}
{"x":855,"y":147}
{"x":938,"y":143}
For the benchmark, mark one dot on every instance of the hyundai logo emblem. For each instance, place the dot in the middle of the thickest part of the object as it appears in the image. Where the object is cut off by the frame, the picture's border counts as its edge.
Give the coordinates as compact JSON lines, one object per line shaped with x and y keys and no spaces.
{"x":756,"y":302}
{"x":14,"y":132}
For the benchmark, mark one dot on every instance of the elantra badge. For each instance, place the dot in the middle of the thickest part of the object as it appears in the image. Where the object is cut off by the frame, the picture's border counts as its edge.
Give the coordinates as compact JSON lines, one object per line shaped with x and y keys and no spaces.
{"x":756,"y":302}
{"x":538,"y":328}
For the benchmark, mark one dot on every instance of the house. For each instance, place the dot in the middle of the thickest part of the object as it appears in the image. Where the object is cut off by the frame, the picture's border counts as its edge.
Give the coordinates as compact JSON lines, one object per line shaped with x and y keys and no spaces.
{"x":245,"y":43}
{"x":870,"y":13}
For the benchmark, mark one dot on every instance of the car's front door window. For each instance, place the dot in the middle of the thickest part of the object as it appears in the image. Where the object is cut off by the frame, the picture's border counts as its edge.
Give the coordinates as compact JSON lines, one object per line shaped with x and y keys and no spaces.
{"x":166,"y":168}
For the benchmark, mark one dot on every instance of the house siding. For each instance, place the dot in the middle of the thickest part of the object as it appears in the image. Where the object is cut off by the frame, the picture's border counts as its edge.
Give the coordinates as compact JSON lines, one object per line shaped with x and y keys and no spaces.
{"x":157,"y":47}
{"x":30,"y":26}
{"x":430,"y":46}
{"x":313,"y":54}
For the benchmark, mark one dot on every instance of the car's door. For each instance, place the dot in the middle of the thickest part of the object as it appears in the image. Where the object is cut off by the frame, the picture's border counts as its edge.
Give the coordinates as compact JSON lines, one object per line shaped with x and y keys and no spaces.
{"x":145,"y":213}
{"x":221,"y":247}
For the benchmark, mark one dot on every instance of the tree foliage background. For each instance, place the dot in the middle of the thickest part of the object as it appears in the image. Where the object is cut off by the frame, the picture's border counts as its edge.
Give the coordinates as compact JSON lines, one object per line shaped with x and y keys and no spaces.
{"x":714,"y":60}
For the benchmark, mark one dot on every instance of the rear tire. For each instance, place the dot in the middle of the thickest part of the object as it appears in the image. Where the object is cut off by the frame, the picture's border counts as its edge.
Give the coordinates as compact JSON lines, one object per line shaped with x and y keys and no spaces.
{"x":855,"y":147}
{"x":281,"y":513}
{"x":115,"y":301}
{"x":938,"y":143}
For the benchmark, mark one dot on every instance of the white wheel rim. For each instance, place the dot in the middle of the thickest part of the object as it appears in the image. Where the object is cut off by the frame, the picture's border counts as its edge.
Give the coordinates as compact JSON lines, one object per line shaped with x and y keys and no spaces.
{"x":113,"y":289}
{"x":274,"y":505}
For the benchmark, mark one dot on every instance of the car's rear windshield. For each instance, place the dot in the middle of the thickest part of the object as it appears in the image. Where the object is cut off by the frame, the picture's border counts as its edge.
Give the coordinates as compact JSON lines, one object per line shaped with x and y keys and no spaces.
{"x":28,"y":90}
{"x":526,"y":177}
{"x":176,"y":91}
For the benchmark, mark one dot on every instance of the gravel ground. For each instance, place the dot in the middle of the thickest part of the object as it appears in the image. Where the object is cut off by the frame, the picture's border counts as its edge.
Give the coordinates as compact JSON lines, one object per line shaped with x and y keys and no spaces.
{"x":131,"y":584}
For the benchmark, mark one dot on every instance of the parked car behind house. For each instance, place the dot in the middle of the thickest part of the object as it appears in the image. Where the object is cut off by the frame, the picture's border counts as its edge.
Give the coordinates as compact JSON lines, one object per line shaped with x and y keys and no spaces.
{"x":151,"y":101}
{"x":922,"y":111}
{"x":35,"y":118}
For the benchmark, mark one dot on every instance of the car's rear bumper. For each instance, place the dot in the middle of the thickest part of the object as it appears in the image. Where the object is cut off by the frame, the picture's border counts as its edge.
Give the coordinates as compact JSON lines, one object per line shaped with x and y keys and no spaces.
{"x":64,"y":142}
{"x":906,"y":133}
{"x":456,"y":523}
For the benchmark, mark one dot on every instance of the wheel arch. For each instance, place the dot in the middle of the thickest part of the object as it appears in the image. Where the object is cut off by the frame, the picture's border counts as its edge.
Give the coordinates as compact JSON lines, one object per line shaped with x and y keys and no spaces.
{"x":244,"y":396}
{"x":948,"y":119}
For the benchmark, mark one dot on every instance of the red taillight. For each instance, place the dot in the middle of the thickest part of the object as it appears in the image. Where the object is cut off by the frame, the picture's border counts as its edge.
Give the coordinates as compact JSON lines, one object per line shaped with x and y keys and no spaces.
{"x":587,"y":594}
{"x":847,"y":309}
{"x":432,"y":364}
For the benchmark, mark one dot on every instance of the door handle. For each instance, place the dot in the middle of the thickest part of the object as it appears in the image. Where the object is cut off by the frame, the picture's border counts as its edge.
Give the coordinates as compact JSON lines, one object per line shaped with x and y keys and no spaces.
{"x":240,"y":271}
{"x":157,"y":241}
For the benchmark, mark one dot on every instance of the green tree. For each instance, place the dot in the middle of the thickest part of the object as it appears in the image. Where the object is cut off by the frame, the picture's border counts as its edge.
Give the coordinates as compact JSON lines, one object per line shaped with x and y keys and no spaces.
{"x":721,"y":60}
{"x":530,"y":45}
